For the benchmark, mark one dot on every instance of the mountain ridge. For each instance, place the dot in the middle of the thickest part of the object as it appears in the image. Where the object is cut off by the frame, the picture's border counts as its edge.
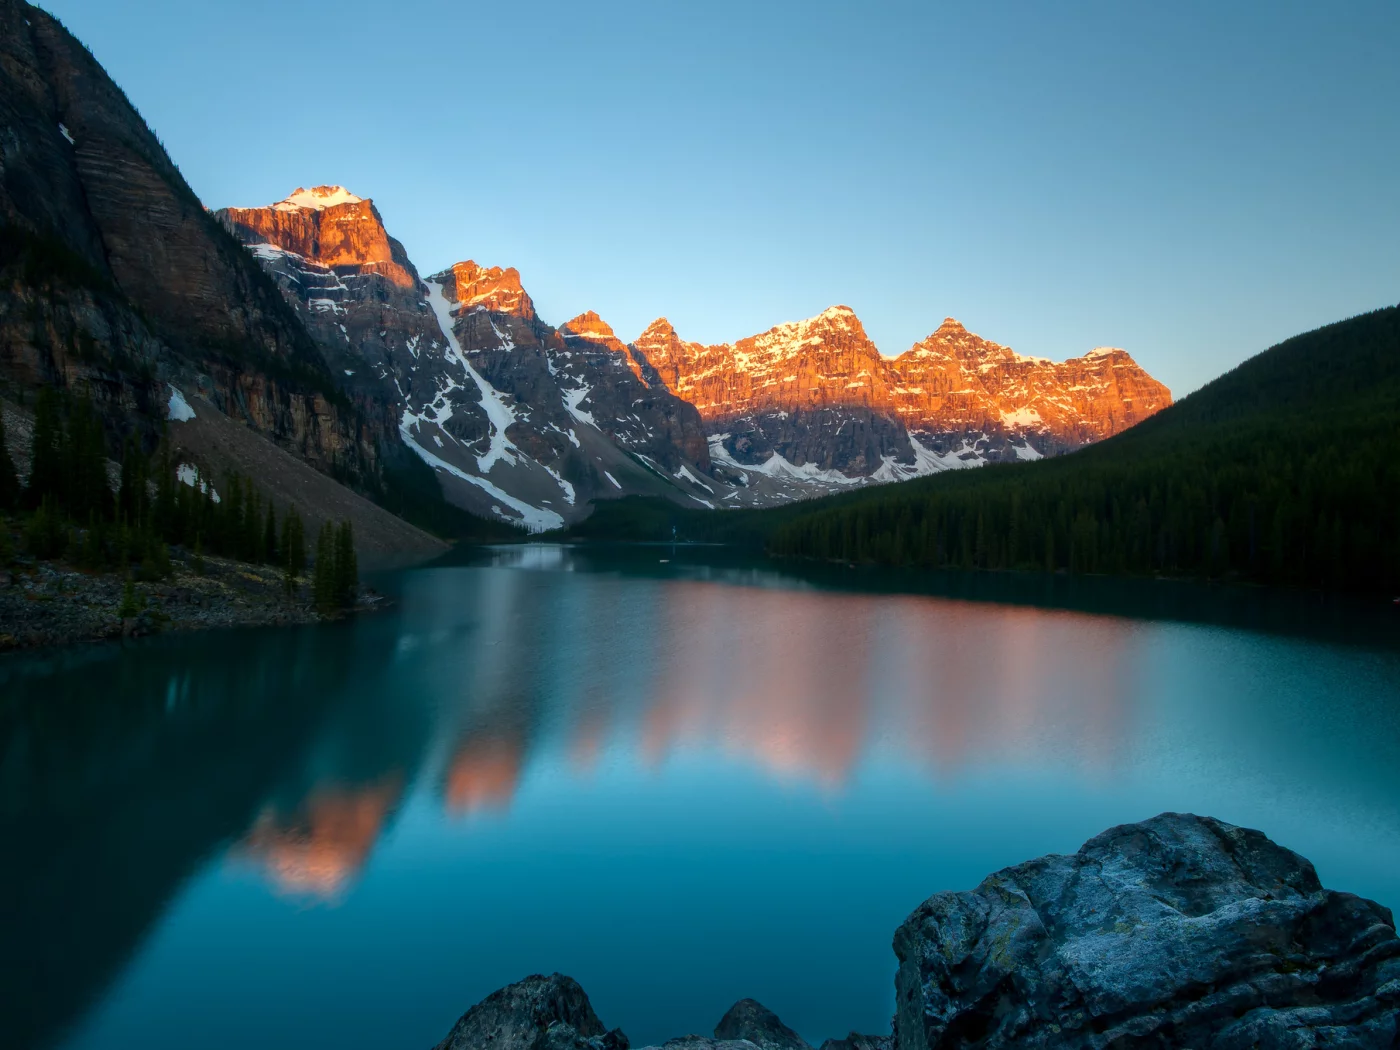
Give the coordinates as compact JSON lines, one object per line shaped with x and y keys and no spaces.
{"x":804,"y":408}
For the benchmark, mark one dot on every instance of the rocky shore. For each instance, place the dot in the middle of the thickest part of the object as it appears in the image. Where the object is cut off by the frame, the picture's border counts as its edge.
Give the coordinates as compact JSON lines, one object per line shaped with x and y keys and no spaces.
{"x":1181,"y":931}
{"x":49,"y":603}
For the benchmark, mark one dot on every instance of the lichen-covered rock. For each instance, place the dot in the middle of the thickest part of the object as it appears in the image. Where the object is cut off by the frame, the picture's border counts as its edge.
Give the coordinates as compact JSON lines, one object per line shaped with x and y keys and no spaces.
{"x":538,"y":1013}
{"x":751,"y":1020}
{"x":1181,"y":931}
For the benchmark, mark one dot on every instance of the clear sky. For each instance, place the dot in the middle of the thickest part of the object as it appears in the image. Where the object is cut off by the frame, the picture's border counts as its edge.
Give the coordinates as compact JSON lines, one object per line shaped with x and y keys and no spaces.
{"x":1190,"y":181}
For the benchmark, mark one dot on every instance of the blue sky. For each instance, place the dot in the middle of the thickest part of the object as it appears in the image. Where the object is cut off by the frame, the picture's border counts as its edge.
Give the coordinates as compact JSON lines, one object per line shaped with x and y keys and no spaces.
{"x":1192,"y":182}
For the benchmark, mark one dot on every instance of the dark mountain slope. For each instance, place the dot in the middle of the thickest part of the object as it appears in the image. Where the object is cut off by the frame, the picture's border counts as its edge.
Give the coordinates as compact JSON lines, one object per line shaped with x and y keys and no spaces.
{"x":114,"y":280}
{"x":1285,"y":470}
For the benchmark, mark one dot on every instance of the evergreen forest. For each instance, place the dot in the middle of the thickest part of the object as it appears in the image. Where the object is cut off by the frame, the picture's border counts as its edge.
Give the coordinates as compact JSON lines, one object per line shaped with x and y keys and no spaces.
{"x":76,"y":505}
{"x":1285,"y":470}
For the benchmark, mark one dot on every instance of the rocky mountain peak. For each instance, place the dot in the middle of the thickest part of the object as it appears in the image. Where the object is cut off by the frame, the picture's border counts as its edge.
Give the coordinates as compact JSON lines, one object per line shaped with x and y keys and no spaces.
{"x":327,"y":225}
{"x":588,"y":325}
{"x":835,"y":327}
{"x":491,"y":288}
{"x":318,"y":198}
{"x":658,"y":329}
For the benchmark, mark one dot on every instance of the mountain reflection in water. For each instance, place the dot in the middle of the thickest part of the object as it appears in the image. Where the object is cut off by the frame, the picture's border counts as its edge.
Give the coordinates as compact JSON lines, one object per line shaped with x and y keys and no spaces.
{"x":548,"y":724}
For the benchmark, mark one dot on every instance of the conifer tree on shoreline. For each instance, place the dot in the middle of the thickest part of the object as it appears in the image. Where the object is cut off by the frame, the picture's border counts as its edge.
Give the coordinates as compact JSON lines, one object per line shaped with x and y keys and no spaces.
{"x":9,"y":479}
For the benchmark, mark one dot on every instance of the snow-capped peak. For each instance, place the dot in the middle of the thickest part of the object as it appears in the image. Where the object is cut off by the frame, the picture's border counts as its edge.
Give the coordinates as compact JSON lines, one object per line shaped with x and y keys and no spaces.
{"x":317,"y":198}
{"x":1105,"y":351}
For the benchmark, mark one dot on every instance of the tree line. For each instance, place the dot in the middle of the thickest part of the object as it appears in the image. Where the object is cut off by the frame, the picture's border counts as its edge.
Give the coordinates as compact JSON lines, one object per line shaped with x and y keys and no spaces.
{"x":69,"y":509}
{"x":1284,"y":471}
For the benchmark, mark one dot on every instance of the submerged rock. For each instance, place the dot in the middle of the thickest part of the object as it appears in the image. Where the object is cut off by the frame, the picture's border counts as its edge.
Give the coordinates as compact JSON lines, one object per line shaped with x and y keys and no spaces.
{"x":538,"y":1013}
{"x":1181,"y":931}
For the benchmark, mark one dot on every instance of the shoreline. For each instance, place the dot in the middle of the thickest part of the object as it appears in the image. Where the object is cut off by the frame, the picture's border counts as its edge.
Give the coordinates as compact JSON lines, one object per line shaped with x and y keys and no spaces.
{"x":46,"y":605}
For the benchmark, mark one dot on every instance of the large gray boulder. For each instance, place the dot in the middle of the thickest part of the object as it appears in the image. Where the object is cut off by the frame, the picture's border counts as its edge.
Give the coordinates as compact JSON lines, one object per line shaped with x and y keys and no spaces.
{"x":538,"y":1013}
{"x":1181,"y":931}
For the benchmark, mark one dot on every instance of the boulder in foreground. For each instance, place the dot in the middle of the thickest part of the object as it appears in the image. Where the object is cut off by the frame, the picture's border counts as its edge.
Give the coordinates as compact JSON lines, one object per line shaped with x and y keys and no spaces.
{"x":1181,"y":931}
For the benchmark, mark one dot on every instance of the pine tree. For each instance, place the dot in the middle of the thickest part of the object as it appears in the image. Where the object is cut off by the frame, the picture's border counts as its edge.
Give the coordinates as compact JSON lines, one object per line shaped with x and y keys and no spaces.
{"x":129,"y":606}
{"x":131,"y":494}
{"x":163,"y":513}
{"x":9,"y":480}
{"x":269,"y":537}
{"x":323,"y":578}
{"x":84,"y":457}
{"x":250,"y":531}
{"x":293,"y":548}
{"x":347,"y":573}
{"x":46,"y":468}
{"x":230,"y":535}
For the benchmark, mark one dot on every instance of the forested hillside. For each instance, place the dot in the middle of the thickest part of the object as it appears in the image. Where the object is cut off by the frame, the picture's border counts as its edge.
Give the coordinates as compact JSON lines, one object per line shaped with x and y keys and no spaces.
{"x":1285,"y":470}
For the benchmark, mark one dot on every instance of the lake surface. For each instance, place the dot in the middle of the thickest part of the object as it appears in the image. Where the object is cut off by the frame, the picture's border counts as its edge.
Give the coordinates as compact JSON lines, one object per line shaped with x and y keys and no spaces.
{"x":682,"y":782}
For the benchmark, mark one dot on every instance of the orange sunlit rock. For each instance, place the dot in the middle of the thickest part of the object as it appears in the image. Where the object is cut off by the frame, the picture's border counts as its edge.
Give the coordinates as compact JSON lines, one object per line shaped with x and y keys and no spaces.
{"x":491,"y":288}
{"x":330,"y":226}
{"x":951,"y":382}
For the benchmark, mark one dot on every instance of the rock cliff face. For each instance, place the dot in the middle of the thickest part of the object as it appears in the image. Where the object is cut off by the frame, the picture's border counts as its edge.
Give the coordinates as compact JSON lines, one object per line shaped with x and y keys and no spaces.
{"x":115,"y":279}
{"x":1178,"y":932}
{"x":565,"y":417}
{"x":355,"y":291}
{"x":955,"y":382}
{"x":843,"y":406}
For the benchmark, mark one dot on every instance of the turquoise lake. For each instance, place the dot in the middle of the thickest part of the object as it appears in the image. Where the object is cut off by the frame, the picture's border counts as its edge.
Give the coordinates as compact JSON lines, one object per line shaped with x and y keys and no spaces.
{"x":678,"y":777}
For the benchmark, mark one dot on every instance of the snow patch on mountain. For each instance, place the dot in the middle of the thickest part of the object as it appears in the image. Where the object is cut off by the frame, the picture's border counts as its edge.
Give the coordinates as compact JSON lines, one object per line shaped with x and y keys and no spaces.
{"x":189,"y":475}
{"x":177,"y":408}
{"x":1022,"y":417}
{"x":318,"y":198}
{"x":927,"y":461}
{"x":685,"y":473}
{"x":535,"y":519}
{"x":498,"y":410}
{"x":776,"y":466}
{"x":573,"y":398}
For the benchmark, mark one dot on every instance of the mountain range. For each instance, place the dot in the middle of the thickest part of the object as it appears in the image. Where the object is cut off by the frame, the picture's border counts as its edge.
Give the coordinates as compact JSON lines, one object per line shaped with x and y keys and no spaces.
{"x":530,"y":422}
{"x":300,"y":335}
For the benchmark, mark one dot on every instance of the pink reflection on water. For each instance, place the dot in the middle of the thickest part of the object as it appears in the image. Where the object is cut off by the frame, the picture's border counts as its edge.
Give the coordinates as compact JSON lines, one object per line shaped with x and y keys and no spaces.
{"x":807,"y":683}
